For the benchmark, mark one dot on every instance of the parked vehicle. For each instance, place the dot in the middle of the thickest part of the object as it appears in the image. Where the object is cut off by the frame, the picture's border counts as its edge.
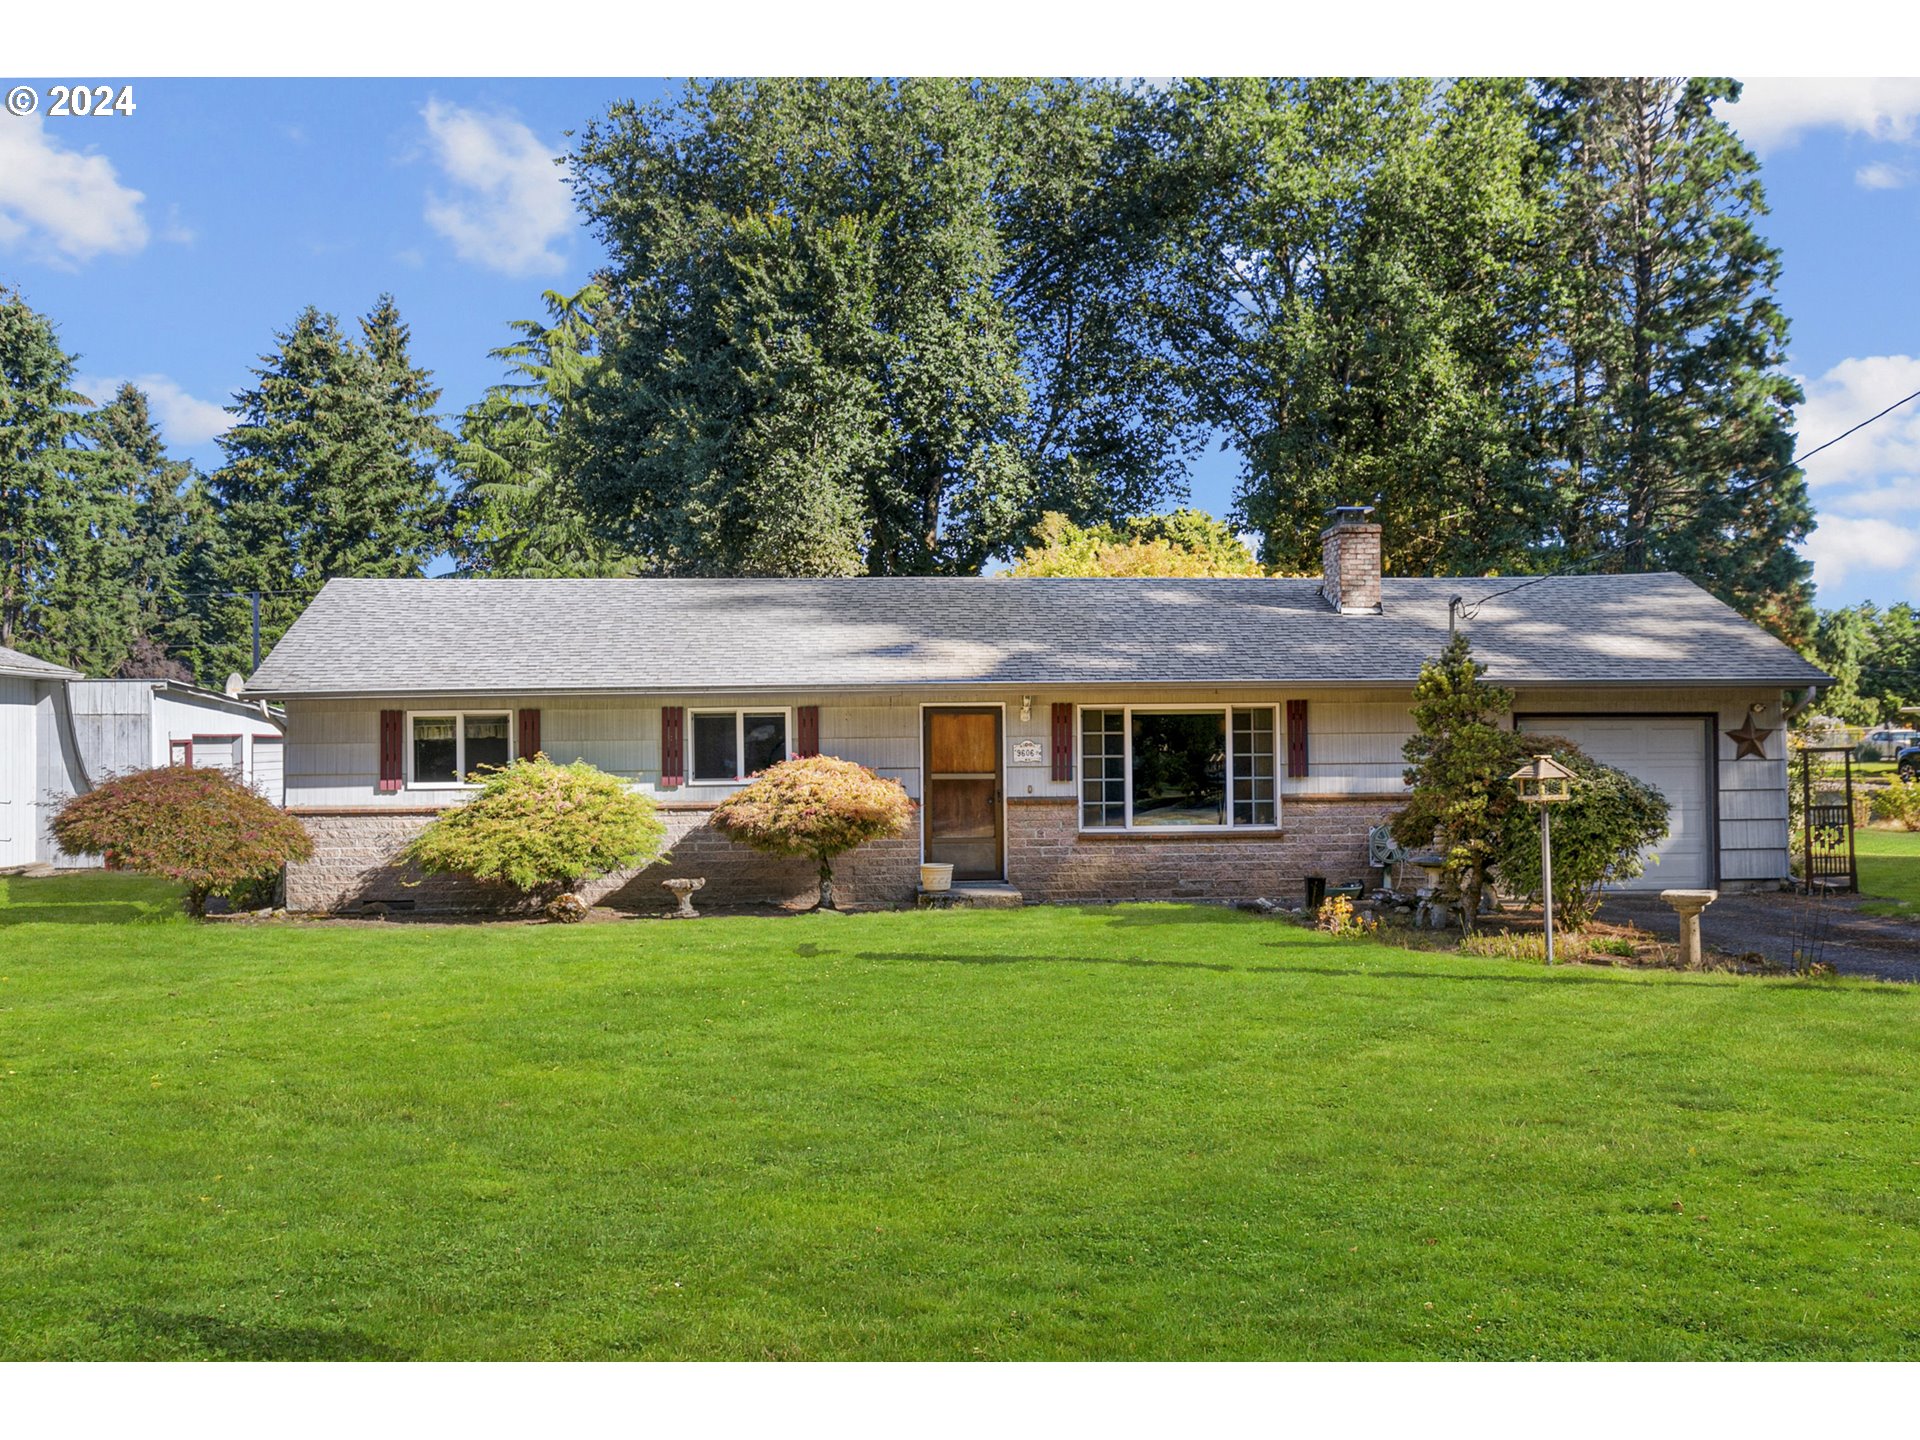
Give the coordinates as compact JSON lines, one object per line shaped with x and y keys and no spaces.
{"x":1908,"y":761}
{"x":1893,"y":736}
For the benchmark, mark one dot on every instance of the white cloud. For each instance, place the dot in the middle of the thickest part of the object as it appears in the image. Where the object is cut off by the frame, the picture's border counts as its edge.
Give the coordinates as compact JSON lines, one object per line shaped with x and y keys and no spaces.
{"x":1843,"y":397}
{"x":1882,"y":176}
{"x":1869,"y":483}
{"x":60,"y":204}
{"x":185,"y":420}
{"x":1841,"y":547}
{"x":1776,"y":112}
{"x":510,"y":202}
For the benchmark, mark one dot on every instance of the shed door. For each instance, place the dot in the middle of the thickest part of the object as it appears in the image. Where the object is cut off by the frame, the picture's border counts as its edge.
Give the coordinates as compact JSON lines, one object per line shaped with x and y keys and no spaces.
{"x":1670,"y":754}
{"x":963,"y":781}
{"x":18,"y":820}
{"x":268,"y":766}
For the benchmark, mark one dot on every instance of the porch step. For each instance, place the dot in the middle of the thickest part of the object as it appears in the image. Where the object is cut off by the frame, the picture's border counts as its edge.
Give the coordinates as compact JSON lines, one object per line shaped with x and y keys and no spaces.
{"x":972,"y":895}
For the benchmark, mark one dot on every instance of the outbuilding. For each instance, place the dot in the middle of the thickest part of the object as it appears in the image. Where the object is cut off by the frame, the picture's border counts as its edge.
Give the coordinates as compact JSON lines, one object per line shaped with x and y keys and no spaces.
{"x":62,"y":733}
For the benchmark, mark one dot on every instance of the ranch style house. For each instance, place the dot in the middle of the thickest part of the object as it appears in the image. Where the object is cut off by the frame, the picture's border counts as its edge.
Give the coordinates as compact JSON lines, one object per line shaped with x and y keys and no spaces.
{"x":1069,"y":740}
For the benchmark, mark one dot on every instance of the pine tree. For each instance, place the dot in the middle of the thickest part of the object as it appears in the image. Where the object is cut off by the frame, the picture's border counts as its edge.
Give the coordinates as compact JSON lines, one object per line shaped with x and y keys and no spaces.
{"x":331,"y":468}
{"x":516,"y":511}
{"x":41,"y":482}
{"x":1671,"y":416}
{"x":154,"y":520}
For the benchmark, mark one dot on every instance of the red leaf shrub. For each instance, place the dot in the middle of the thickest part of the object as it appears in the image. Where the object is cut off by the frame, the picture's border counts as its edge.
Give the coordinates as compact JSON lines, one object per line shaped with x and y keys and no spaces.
{"x":818,"y":807}
{"x":201,"y":828}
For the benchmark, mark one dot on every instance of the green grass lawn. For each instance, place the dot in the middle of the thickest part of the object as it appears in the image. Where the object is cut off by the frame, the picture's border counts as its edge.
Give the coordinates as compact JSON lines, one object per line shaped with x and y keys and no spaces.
{"x":1143,"y":1131}
{"x":1889,"y":863}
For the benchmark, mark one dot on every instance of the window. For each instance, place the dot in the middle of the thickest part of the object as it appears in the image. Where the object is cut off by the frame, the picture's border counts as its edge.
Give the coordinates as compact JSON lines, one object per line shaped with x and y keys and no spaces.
{"x":1153,"y":769}
{"x":730,"y":745}
{"x":446,"y":749}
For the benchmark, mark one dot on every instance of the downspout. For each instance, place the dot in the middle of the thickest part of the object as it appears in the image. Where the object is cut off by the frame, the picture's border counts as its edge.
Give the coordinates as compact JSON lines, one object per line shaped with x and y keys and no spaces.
{"x":64,"y":704}
{"x":1800,"y":706}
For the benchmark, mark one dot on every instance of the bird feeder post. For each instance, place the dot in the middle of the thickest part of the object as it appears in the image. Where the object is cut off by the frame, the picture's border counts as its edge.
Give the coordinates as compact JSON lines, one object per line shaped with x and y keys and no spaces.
{"x":1544,"y":782}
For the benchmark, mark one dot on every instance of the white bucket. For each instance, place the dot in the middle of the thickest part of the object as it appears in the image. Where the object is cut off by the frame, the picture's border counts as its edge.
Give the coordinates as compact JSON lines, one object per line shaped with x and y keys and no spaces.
{"x":936,"y":877}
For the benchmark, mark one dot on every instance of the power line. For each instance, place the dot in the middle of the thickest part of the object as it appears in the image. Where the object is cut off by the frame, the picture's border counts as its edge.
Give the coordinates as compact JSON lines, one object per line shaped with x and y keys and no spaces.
{"x":1468,"y":610}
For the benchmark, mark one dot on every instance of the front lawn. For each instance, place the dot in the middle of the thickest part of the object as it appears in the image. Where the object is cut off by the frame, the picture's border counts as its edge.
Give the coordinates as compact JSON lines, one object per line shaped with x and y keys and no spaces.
{"x":1141,"y":1131}
{"x":1889,"y":862}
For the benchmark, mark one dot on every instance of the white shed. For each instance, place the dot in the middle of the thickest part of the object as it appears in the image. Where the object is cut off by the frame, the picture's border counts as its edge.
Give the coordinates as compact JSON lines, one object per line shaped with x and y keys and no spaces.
{"x":61,"y":734}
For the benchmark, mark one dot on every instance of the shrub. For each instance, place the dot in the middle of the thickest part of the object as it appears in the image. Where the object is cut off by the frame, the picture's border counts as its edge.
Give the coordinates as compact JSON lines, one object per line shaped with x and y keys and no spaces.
{"x":542,"y":829}
{"x":819,"y":808}
{"x":1458,"y":761}
{"x":201,"y":828}
{"x":1337,"y":917}
{"x":1898,"y":802}
{"x":1598,"y":833}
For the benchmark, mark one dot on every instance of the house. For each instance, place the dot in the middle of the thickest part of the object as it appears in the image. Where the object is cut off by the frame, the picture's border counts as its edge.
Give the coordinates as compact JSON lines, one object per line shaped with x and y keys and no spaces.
{"x":1074,"y":739}
{"x":61,"y":733}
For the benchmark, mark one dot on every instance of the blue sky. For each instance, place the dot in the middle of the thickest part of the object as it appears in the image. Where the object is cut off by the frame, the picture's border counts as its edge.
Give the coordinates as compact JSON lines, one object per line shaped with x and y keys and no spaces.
{"x":171,"y":244}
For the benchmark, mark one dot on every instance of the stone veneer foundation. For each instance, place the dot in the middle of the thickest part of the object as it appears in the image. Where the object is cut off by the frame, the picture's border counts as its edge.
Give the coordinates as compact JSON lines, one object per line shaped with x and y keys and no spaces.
{"x":354,"y":867}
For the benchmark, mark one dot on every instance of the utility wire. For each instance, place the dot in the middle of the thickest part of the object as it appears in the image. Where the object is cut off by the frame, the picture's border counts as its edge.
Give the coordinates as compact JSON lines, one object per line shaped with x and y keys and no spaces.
{"x":1468,"y":610}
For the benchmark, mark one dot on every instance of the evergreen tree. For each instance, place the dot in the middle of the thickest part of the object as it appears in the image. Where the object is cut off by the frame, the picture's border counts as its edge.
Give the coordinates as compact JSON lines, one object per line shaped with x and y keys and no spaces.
{"x":154,"y":521}
{"x":1356,"y":304}
{"x":331,"y":468}
{"x":1671,"y":419}
{"x":46,"y":526}
{"x":870,"y":326}
{"x":516,"y":510}
{"x":1458,"y":761}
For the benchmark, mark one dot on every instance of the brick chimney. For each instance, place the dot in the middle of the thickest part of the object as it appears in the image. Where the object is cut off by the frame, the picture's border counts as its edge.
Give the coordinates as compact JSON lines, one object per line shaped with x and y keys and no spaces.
{"x":1350,"y":561}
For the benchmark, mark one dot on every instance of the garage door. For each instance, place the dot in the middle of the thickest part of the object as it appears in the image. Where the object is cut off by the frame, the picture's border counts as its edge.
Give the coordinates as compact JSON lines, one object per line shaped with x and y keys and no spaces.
{"x":1671,"y":756}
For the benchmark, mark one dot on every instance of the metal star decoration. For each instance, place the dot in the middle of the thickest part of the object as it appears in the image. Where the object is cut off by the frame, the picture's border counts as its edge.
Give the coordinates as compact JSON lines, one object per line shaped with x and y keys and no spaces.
{"x":1749,"y":741}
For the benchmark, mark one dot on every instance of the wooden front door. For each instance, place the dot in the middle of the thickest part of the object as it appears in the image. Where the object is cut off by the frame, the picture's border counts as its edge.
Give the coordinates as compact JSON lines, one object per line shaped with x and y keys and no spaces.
{"x":961,"y":747}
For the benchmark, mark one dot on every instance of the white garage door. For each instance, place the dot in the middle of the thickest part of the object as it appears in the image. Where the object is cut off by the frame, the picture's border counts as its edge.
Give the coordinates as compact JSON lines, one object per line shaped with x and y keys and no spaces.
{"x":1671,"y":756}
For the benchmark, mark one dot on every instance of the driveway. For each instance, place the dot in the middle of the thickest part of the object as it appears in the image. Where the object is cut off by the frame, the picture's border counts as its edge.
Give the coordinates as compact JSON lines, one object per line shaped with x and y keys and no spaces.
{"x":1773,"y":923}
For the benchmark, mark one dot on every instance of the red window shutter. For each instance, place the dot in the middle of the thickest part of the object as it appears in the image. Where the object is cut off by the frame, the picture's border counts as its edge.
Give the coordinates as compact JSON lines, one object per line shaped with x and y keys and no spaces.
{"x":393,"y":752}
{"x":1063,"y":742}
{"x":1296,"y":739}
{"x":808,"y":741}
{"x":529,"y":734}
{"x":673,"y":765}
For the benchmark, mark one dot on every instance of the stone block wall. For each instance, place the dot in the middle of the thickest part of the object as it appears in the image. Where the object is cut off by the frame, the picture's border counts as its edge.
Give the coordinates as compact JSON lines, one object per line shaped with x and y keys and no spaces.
{"x":1048,"y":859}
{"x":355,"y":867}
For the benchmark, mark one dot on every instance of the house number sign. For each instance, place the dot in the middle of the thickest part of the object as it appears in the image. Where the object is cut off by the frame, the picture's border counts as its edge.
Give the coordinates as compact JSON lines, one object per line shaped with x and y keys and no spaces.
{"x":1029,"y":752}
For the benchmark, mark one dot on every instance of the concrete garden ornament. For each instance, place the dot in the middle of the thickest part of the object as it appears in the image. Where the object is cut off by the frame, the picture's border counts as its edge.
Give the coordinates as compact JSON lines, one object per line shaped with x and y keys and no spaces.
{"x":682,"y":890}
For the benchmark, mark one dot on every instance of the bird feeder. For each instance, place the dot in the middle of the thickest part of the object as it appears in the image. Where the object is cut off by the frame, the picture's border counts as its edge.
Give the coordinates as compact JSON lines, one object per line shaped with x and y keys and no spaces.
{"x":1545,"y":782}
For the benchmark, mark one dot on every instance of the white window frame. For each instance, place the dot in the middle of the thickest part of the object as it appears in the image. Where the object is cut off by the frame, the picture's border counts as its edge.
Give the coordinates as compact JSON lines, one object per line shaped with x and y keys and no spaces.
{"x":739,"y":714}
{"x":1127,"y":712}
{"x":459,"y":718}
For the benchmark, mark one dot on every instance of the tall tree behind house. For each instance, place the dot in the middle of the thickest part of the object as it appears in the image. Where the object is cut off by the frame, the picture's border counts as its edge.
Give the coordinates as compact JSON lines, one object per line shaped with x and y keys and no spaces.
{"x":331,"y":469}
{"x":1356,"y":302}
{"x":866,"y":326}
{"x":516,"y":509}
{"x":41,"y":456}
{"x":1671,"y":420}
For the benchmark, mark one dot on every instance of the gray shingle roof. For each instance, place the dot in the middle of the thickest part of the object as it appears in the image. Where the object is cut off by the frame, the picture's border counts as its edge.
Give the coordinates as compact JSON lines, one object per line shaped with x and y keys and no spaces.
{"x":12,"y":662}
{"x":394,"y":637}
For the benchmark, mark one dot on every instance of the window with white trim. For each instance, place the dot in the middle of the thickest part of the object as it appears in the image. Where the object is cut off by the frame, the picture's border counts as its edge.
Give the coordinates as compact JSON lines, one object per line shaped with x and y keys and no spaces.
{"x":446,"y":748}
{"x":1186,"y":768}
{"x":730,"y":745}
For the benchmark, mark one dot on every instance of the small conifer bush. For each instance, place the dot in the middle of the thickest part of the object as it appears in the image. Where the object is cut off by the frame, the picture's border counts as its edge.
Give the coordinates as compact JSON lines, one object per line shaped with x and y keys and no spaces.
{"x":542,"y":829}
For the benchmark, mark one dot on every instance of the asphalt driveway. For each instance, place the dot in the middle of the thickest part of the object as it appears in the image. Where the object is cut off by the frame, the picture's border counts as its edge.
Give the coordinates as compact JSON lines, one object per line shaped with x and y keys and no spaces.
{"x":1774,"y":924}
